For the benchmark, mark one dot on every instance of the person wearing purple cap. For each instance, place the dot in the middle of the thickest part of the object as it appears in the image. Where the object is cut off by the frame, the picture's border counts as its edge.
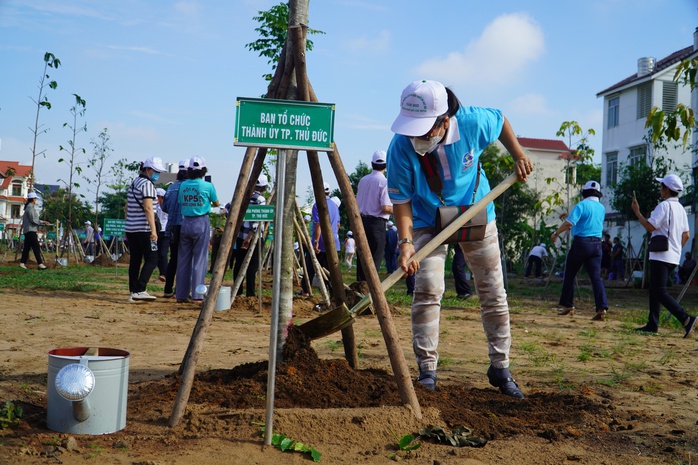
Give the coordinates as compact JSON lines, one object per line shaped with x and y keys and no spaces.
{"x":668,"y":219}
{"x":433,"y":127}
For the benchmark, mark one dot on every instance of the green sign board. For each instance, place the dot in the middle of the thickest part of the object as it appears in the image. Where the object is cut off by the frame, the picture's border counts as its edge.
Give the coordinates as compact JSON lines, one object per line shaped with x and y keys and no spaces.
{"x":260,"y":213}
{"x":51,"y":235}
{"x":284,"y":124}
{"x":114,"y":227}
{"x":2,"y":226}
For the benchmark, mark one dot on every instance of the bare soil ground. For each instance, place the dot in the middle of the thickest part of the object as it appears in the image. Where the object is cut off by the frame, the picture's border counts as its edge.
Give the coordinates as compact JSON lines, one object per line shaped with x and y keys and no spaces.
{"x":597,"y":393}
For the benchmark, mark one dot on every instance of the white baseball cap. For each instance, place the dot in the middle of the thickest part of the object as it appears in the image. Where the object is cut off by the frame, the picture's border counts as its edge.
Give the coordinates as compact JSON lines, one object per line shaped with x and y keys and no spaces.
{"x":349,"y":233}
{"x":155,"y":163}
{"x":160,"y":192}
{"x":197,"y":163}
{"x":378,"y":157}
{"x":594,"y":186}
{"x":327,"y":188}
{"x":32,"y":195}
{"x":672,"y":181}
{"x":390,"y":224}
{"x":183,"y":164}
{"x":307,"y":218}
{"x":88,"y":222}
{"x":420,"y":104}
{"x":542,"y":244}
{"x":262,"y":181}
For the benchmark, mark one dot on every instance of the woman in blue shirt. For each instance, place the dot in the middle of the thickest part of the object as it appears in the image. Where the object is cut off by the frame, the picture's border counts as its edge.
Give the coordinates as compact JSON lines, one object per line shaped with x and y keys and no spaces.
{"x":196,"y":197}
{"x":433,"y":121}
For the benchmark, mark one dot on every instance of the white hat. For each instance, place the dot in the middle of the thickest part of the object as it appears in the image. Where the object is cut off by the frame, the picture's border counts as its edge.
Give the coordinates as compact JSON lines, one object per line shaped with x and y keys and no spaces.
{"x":420,"y":104}
{"x":88,"y":222}
{"x":155,"y":163}
{"x":197,"y":163}
{"x":307,"y":218}
{"x":327,"y":188}
{"x":594,"y":186}
{"x":390,"y":224}
{"x":542,"y":244}
{"x":262,"y":181}
{"x":336,"y":200}
{"x":160,"y":192}
{"x":672,"y":181}
{"x":99,"y":229}
{"x":378,"y":157}
{"x":183,"y":164}
{"x":349,"y":233}
{"x":32,"y":195}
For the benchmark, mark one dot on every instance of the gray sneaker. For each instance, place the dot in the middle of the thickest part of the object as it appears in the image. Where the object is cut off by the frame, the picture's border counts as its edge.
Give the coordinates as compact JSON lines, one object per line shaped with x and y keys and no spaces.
{"x":142,"y":296}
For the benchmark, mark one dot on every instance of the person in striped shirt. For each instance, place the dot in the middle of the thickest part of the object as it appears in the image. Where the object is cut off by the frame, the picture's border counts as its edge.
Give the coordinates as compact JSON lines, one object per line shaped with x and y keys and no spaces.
{"x":141,"y":229}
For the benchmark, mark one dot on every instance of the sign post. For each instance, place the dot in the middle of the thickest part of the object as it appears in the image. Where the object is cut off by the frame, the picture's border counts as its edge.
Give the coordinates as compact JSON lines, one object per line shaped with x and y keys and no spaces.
{"x":286,"y":125}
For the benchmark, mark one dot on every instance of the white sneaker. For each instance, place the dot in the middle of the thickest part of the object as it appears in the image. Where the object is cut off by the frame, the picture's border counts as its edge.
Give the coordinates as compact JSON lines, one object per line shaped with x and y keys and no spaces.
{"x":42,"y":266}
{"x":142,"y":296}
{"x":23,"y":266}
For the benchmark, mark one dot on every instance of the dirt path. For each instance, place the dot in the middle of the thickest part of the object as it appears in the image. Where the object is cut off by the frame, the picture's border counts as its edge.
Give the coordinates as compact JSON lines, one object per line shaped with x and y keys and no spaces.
{"x":596,"y":392}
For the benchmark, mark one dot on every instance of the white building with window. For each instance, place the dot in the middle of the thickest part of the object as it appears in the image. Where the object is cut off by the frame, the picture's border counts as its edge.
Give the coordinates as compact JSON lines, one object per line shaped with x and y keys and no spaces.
{"x":13,"y":194}
{"x":626,"y":105}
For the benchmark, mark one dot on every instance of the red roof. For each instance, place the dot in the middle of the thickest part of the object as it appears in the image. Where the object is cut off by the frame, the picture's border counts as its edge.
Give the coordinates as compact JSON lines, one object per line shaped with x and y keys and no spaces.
{"x":543,"y":144}
{"x":21,"y":171}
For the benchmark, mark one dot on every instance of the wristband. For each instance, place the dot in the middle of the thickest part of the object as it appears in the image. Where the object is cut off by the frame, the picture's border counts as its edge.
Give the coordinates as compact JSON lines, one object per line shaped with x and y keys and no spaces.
{"x":405,"y":241}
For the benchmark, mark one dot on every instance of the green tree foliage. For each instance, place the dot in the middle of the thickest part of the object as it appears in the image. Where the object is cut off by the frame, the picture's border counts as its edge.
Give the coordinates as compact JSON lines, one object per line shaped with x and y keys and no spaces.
{"x":50,"y":61}
{"x":113,"y":204}
{"x":578,"y":142}
{"x":100,"y":153}
{"x":77,"y":111}
{"x":273,"y":30}
{"x":588,"y":172}
{"x":514,"y":207}
{"x":638,"y":179}
{"x":56,"y":207}
{"x":675,"y":126}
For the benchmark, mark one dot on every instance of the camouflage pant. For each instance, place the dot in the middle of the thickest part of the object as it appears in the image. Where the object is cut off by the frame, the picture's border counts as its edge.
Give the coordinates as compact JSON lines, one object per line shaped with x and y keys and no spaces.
{"x":484,"y":262}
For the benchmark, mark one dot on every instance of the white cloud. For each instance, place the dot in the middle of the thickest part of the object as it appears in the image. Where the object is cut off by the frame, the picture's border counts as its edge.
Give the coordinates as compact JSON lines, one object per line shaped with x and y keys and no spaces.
{"x":376,"y":45}
{"x":507,"y":45}
{"x":530,"y":104}
{"x":137,"y":49}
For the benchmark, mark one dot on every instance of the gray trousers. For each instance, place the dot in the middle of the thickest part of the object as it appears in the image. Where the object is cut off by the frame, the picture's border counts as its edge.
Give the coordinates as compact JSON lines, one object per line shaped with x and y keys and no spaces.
{"x":192,"y":260}
{"x":484,"y":262}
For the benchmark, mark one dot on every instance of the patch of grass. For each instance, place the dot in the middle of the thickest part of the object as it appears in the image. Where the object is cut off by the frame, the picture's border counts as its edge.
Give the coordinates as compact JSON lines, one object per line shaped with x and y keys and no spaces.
{"x":73,"y":279}
{"x":667,"y":357}
{"x":333,"y":345}
{"x":447,"y":361}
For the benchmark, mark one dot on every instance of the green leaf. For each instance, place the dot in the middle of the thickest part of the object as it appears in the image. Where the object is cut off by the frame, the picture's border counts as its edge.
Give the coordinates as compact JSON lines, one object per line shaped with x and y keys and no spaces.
{"x":315,"y":454}
{"x":285,"y":444}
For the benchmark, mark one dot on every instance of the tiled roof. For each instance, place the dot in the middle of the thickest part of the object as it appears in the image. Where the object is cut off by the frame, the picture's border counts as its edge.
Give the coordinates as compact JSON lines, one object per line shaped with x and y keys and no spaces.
{"x":543,"y":144}
{"x":21,"y":171}
{"x":661,"y":65}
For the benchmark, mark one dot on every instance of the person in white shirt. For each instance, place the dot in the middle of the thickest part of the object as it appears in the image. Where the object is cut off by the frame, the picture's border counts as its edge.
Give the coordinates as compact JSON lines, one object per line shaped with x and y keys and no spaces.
{"x":535,"y":260}
{"x":349,"y":249}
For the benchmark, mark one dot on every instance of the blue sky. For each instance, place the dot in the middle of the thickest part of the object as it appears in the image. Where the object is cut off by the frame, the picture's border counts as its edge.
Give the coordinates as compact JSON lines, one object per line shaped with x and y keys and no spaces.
{"x":163,"y":76}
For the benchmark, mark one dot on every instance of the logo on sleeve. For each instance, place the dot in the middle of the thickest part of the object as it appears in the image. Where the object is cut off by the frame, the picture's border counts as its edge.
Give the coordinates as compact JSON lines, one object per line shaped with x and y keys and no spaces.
{"x":468,"y":159}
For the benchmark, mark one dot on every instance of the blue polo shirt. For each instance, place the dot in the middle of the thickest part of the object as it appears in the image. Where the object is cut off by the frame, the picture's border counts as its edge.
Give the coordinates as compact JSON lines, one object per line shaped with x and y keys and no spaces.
{"x":587,"y":218}
{"x":196,"y":196}
{"x":470,"y":131}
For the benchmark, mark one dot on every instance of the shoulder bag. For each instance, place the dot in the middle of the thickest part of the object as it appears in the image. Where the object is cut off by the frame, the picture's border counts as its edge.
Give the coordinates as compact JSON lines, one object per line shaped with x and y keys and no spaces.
{"x":660,"y":242}
{"x":474,"y":230}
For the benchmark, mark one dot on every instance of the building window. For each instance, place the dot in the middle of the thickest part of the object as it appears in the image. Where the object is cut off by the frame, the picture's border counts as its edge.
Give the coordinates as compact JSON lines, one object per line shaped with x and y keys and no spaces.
{"x":17,"y":189}
{"x":611,"y":168}
{"x":14,"y":211}
{"x":637,"y":155}
{"x":613,"y":111}
{"x":644,"y":100}
{"x":670,"y":96}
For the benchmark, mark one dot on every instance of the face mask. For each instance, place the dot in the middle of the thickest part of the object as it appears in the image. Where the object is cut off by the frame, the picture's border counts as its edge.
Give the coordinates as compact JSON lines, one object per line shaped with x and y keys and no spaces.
{"x":422,"y":146}
{"x":155,"y":177}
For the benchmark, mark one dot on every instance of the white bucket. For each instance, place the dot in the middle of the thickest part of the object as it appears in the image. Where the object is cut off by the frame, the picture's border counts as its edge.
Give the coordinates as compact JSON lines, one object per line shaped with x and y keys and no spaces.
{"x":63,"y":261}
{"x":223,"y":302}
{"x":89,"y":258}
{"x":106,"y":403}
